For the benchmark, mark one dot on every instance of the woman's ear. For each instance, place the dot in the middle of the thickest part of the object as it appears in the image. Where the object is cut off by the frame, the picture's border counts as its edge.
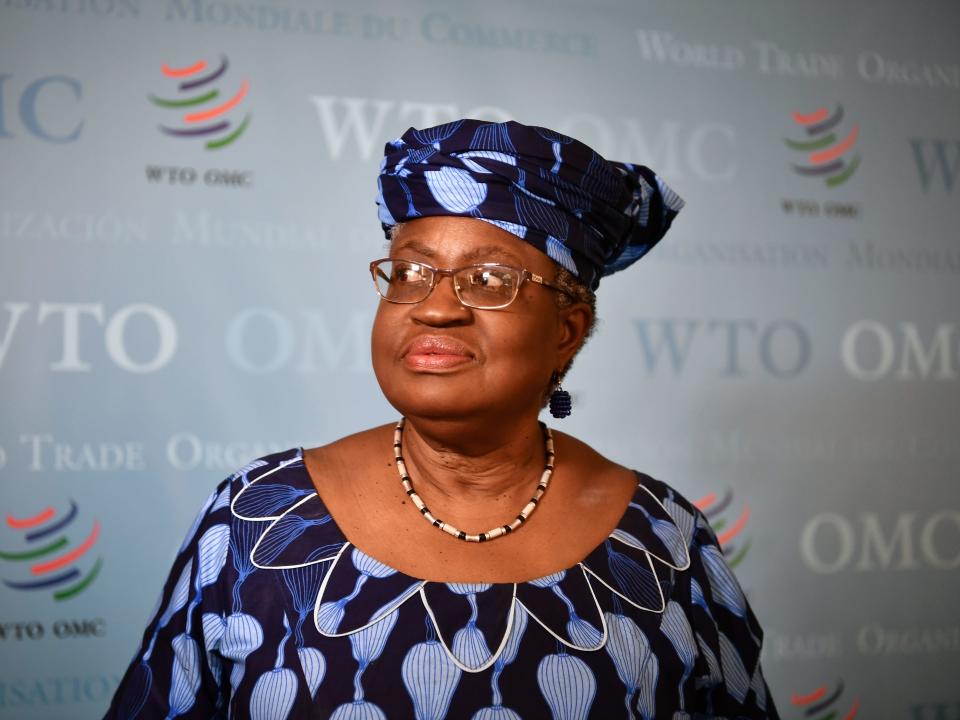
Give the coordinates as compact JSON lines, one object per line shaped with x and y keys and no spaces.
{"x":575,"y":322}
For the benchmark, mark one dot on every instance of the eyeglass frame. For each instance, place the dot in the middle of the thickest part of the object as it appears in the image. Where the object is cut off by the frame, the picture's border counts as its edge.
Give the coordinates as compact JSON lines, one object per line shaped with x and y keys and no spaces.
{"x":439,"y":273}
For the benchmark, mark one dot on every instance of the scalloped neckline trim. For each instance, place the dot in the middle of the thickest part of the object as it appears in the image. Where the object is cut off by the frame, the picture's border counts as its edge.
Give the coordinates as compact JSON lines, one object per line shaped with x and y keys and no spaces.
{"x":302,"y":512}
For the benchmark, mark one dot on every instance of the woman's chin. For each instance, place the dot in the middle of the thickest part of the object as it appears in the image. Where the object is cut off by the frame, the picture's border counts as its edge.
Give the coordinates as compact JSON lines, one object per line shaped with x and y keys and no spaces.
{"x":442,"y":397}
{"x":437,"y":405}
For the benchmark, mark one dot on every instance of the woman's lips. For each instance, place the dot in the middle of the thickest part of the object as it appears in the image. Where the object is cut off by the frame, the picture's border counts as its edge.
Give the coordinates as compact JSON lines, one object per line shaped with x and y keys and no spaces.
{"x":431,"y":352}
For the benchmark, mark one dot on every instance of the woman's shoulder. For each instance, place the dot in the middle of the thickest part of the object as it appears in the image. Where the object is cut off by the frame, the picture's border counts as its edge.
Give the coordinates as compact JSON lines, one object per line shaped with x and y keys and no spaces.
{"x":602,"y":471}
{"x":267,"y":486}
{"x":665,"y":493}
{"x":295,"y":467}
{"x":348,"y":455}
{"x":276,"y":514}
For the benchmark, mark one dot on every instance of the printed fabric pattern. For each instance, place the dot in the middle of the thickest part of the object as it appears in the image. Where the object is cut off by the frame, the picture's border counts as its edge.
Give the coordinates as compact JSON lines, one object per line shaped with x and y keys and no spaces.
{"x":270,"y":613}
{"x":590,"y":215}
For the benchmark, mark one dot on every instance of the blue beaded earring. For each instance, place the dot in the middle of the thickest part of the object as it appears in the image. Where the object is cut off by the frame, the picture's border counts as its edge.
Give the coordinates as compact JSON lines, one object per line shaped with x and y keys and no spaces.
{"x":560,"y":403}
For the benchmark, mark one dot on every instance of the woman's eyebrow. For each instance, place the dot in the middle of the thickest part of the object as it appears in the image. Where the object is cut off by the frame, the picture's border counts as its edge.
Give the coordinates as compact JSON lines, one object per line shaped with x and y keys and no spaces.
{"x":490,"y":251}
{"x":416,"y":247}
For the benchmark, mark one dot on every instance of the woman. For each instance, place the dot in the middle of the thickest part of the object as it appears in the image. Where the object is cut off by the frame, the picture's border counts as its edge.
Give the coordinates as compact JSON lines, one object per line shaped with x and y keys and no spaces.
{"x":465,"y":562}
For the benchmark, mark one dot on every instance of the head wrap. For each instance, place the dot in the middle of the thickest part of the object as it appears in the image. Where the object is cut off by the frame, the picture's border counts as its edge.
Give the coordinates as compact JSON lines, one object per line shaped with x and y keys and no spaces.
{"x":590,"y":215}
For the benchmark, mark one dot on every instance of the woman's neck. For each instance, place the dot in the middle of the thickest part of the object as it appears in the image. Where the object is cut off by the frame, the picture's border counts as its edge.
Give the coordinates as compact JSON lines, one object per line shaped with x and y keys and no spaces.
{"x":459,"y":462}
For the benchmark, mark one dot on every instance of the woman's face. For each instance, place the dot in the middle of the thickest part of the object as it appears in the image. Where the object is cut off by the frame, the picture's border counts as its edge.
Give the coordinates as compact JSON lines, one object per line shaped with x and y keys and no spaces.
{"x":438,"y":358}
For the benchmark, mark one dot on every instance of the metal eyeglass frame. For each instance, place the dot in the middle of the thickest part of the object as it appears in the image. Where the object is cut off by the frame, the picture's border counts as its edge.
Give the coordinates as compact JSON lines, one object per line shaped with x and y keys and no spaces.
{"x":438,"y":273}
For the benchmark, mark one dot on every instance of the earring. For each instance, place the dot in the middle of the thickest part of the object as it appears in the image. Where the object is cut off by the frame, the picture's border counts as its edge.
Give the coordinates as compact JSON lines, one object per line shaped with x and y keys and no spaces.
{"x":560,"y":403}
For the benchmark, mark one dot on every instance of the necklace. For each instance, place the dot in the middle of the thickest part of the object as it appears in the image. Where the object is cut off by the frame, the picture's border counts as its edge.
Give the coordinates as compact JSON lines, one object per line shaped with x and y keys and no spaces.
{"x":450,"y":529}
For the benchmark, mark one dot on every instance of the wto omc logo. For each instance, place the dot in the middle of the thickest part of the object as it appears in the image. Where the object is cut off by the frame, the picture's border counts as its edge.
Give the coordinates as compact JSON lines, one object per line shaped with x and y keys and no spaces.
{"x":827,"y":155}
{"x":714,"y":509}
{"x":818,"y":701}
{"x":200,"y":109}
{"x":46,"y":559}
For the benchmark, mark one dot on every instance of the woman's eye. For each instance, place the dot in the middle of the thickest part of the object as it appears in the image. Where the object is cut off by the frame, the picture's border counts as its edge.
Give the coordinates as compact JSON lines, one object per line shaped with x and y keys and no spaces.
{"x":408,"y":275}
{"x":488,"y":280}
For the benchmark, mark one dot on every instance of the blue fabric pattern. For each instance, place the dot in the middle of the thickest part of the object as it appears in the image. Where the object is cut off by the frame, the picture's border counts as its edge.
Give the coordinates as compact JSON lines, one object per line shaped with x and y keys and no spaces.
{"x":649,"y":624}
{"x":568,"y":685}
{"x":275,"y":692}
{"x":591,"y":216}
{"x":430,"y":677}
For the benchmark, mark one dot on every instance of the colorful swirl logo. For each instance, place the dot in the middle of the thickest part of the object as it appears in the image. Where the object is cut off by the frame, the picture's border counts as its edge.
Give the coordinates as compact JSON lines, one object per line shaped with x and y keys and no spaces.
{"x":713,"y":509}
{"x":41,"y":557}
{"x":819,"y":702}
{"x":205,"y":112}
{"x":826,"y":153}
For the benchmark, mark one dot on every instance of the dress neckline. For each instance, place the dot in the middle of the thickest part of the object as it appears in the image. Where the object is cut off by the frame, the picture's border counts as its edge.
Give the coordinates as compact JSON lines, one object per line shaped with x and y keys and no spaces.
{"x":294,"y":496}
{"x":281,"y":524}
{"x":638,"y":481}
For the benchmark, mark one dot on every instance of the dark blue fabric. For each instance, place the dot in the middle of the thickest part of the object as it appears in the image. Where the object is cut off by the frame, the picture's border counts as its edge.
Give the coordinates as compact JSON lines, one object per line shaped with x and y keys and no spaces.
{"x":590,"y":215}
{"x":269,"y":612}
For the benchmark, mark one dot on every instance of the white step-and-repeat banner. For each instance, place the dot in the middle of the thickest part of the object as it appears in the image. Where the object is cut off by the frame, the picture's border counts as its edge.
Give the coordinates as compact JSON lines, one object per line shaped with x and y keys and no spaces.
{"x":186,"y":217}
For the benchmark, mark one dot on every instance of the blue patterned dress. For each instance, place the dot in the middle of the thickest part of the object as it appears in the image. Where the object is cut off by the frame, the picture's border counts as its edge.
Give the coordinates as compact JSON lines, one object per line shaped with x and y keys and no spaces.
{"x":270,"y":613}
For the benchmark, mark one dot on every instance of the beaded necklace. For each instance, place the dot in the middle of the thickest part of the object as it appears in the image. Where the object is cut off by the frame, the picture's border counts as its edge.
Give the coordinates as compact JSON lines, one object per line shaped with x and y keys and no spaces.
{"x":450,"y":529}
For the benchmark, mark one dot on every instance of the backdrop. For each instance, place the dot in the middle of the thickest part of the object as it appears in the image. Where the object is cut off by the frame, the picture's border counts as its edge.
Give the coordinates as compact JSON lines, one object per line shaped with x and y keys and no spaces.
{"x":186,"y":216}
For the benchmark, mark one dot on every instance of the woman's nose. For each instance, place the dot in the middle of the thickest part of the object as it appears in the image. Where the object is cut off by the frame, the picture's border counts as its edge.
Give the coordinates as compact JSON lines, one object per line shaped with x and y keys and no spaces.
{"x":442,"y":306}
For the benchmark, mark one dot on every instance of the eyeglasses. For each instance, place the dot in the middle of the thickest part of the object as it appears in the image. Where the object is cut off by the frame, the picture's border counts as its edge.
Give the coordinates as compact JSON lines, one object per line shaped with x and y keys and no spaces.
{"x":487,"y":286}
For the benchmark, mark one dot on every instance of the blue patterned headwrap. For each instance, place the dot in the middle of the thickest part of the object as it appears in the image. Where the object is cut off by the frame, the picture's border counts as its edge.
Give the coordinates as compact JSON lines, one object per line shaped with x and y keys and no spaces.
{"x":590,"y":215}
